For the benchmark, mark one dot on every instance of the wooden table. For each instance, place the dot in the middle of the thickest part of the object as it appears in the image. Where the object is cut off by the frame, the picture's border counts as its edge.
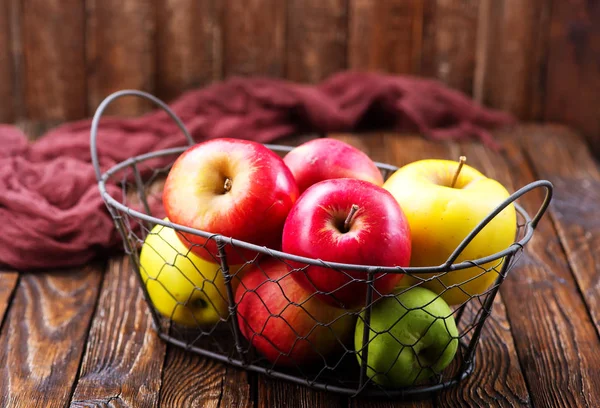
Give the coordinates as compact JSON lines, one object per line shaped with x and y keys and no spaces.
{"x":84,"y":336}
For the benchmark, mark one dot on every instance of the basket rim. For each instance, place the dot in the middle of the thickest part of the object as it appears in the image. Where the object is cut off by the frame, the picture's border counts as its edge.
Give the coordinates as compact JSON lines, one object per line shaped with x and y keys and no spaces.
{"x":529,"y":224}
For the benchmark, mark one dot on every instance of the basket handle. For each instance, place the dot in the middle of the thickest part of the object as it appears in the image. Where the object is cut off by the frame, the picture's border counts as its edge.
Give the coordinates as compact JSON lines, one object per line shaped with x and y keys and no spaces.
{"x":114,"y":96}
{"x":547,"y":185}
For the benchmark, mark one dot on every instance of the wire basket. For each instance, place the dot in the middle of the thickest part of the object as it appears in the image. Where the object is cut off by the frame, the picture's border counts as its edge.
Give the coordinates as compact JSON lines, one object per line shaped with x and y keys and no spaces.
{"x":200,"y":306}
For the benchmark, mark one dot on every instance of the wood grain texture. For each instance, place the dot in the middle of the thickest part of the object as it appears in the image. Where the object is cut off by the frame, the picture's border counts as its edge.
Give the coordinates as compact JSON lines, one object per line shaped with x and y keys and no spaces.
{"x":54,"y":74}
{"x":8,"y":282}
{"x":513,"y":49}
{"x":385,"y":35}
{"x":254,"y":37}
{"x":188,"y":45}
{"x":272,"y":393}
{"x":576,"y":203}
{"x":449,"y":39}
{"x":573,"y":81}
{"x":7,"y":108}
{"x":497,"y":379}
{"x":190,"y":380}
{"x":124,"y":357}
{"x":16,"y":49}
{"x":120,"y":52}
{"x":44,"y":335}
{"x":364,"y":402}
{"x":316,"y":39}
{"x":556,"y":341}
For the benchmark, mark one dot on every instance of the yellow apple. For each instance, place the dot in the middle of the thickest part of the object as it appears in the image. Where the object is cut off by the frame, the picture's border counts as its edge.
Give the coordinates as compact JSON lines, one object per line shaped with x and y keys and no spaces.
{"x":441,"y":216}
{"x":182,"y":286}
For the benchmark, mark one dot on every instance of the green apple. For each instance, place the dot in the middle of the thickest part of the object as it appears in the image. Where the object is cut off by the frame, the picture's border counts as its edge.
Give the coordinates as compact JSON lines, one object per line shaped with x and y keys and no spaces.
{"x":412,"y":336}
{"x":182,"y":286}
{"x":441,"y":215}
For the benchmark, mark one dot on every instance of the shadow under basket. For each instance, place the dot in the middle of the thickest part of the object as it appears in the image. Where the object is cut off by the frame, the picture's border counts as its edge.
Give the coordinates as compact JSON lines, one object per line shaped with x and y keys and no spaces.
{"x":230,"y":336}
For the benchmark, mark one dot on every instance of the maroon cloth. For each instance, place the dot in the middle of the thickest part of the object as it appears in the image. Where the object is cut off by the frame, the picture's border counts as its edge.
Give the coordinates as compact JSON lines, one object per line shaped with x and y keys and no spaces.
{"x":50,"y":209}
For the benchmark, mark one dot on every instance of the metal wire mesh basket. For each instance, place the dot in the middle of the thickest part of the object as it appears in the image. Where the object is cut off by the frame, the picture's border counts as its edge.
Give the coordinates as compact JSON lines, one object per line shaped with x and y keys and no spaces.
{"x":207,"y":308}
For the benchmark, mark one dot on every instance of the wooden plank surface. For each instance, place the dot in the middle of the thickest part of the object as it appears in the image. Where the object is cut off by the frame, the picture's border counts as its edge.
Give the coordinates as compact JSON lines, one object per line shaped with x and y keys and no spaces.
{"x":254,"y":37}
{"x":7,"y":108}
{"x":44,"y":335}
{"x":573,"y":80}
{"x":385,"y":35}
{"x":120,"y":52}
{"x":124,"y":355}
{"x":53,"y":59}
{"x":190,"y":380}
{"x":449,"y":41}
{"x":512,"y":53}
{"x":8,"y":282}
{"x":188,"y":45}
{"x":316,"y":39}
{"x":556,"y":341}
{"x":273,"y":393}
{"x":497,"y":379}
{"x":575,"y":175}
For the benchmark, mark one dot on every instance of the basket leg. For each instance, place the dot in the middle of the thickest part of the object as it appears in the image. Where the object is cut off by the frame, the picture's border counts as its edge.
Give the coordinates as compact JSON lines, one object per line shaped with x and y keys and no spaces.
{"x":231,"y":299}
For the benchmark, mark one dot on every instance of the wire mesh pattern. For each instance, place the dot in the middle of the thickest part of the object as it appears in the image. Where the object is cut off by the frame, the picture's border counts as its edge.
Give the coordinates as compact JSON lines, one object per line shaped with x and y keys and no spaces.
{"x":252,"y":314}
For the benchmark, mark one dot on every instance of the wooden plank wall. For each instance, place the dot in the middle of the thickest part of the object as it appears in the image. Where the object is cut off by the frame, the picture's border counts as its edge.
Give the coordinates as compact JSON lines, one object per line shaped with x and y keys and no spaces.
{"x":538,"y":59}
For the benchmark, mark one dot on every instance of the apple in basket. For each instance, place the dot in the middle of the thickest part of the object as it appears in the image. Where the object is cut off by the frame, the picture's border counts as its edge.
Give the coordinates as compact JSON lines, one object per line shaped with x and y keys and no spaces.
{"x":444,"y":201}
{"x":326,"y":158}
{"x":183,"y":287}
{"x":286,"y":323}
{"x":236,"y":188}
{"x":347,"y":221}
{"x":411,"y":337}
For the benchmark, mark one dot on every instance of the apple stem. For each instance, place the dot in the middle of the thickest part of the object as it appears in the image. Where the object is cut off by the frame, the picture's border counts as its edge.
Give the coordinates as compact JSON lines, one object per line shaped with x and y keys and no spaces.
{"x":227,"y":185}
{"x":353,"y":211}
{"x":461,"y":161}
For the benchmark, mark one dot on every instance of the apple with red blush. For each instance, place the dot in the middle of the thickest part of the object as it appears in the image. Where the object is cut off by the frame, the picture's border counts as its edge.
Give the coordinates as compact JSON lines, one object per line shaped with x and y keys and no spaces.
{"x":347,"y":221}
{"x":232,"y":187}
{"x":286,"y":323}
{"x":327,"y":158}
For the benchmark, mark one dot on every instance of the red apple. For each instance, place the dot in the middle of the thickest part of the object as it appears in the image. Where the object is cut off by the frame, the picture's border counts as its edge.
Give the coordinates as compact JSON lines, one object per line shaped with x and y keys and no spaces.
{"x":286,"y":323}
{"x":347,"y":221}
{"x":236,"y":188}
{"x":324,"y":159}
